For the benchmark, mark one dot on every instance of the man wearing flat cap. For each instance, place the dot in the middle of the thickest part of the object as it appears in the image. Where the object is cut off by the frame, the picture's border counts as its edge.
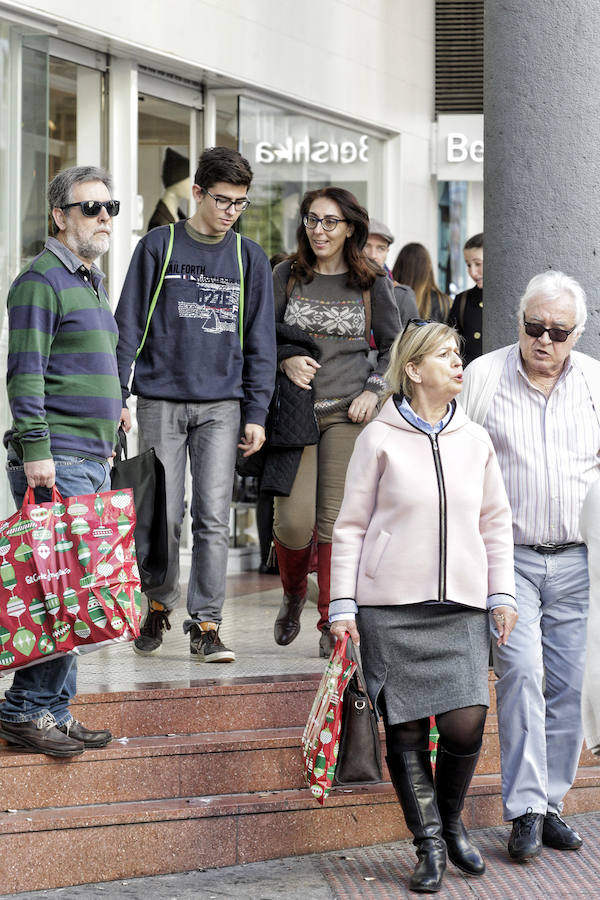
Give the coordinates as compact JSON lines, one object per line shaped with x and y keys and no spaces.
{"x":376,"y":249}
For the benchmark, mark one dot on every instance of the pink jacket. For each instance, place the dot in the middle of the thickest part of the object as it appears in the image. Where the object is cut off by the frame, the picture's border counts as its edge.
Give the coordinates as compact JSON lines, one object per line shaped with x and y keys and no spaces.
{"x":422,"y":518}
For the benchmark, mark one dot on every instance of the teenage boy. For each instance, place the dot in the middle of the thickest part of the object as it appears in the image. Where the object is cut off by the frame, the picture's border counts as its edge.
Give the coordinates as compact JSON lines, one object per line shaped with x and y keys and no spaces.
{"x":466,"y":313}
{"x":207,"y":359}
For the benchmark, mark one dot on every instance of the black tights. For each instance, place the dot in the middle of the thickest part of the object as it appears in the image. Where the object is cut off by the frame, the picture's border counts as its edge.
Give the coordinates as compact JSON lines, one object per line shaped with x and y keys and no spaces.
{"x":461,"y":732}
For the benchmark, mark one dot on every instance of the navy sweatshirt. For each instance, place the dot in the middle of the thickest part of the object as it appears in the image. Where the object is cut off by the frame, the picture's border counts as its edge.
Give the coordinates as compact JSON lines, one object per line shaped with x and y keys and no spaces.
{"x":192,"y":351}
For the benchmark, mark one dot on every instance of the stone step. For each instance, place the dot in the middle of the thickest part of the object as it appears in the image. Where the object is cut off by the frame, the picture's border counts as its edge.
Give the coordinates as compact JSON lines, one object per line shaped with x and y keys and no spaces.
{"x":176,"y":765}
{"x":205,"y":705}
{"x":107,"y":841}
{"x":201,"y":705}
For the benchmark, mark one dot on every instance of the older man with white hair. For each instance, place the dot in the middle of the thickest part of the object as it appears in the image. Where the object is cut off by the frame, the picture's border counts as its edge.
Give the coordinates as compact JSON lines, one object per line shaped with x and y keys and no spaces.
{"x":539,"y":399}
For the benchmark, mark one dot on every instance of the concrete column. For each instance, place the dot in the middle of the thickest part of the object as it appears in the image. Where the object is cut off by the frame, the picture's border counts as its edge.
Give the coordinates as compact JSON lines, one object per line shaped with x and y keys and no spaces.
{"x":123,"y":162}
{"x":542,"y":155}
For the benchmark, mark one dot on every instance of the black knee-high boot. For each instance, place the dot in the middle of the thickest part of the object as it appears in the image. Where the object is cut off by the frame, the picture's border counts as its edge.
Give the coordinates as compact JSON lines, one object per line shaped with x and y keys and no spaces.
{"x":413,"y":781}
{"x":452,"y":779}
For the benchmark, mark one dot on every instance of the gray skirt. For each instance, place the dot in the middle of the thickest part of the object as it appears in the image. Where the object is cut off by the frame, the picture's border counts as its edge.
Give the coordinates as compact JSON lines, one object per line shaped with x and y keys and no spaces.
{"x":420,"y":659}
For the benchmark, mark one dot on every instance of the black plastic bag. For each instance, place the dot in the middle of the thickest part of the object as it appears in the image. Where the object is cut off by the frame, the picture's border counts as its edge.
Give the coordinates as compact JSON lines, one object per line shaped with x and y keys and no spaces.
{"x":145,"y":474}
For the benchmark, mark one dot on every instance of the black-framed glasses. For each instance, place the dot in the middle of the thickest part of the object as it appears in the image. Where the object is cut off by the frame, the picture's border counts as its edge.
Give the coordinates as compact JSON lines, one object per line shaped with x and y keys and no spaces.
{"x":328,"y":223}
{"x":417,"y":323}
{"x":224,"y":202}
{"x":556,"y":335}
{"x":91,"y":208}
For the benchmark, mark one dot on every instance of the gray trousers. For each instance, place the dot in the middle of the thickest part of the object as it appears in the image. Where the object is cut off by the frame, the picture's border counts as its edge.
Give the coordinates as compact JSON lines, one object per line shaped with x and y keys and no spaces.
{"x":209,"y":433}
{"x":540,"y":672}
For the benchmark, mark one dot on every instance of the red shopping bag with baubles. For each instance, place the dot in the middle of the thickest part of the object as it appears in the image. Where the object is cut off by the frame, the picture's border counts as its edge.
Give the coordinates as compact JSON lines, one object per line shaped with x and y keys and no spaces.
{"x":320,"y":741}
{"x":69,"y":581}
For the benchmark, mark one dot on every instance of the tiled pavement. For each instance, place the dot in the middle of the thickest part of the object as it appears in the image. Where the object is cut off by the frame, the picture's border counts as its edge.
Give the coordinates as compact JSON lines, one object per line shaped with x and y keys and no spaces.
{"x":249,"y":612}
{"x":370,"y":873}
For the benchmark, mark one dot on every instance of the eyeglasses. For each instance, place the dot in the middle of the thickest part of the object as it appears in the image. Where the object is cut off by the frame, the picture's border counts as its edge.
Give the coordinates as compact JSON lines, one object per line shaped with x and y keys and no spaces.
{"x":557,"y":335}
{"x":225,"y":202}
{"x":91,"y":208}
{"x":417,"y":323}
{"x":328,"y":223}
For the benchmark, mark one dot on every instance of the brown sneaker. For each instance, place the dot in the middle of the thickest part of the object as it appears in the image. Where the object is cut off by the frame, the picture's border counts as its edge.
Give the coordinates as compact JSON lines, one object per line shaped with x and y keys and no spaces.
{"x":206,"y":645}
{"x":42,"y":736}
{"x":155,"y":622}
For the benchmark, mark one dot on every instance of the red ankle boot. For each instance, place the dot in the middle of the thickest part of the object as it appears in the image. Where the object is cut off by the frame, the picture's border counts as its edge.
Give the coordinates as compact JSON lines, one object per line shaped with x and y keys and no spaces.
{"x":293,"y":569}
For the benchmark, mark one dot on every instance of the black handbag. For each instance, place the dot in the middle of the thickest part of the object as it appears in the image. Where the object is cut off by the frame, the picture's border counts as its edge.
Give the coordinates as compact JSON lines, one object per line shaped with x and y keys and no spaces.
{"x":359,"y":756}
{"x":145,"y":475}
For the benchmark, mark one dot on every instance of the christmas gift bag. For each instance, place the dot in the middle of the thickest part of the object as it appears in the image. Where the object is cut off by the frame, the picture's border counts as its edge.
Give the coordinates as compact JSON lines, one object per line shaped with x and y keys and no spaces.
{"x":69,"y":580}
{"x":320,"y":741}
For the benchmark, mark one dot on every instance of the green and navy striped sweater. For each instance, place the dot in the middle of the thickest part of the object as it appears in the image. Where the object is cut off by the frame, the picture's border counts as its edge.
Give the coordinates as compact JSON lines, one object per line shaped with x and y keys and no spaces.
{"x":63,"y":383}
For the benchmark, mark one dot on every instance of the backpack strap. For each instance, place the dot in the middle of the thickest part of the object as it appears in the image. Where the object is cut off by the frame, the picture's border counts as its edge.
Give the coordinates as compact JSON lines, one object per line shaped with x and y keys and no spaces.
{"x":158,"y":288}
{"x":238,"y":240}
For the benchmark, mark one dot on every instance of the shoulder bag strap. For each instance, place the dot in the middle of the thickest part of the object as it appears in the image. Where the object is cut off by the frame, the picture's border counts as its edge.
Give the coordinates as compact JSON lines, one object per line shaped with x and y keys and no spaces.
{"x":290,"y":286}
{"x":158,"y":288}
{"x":238,"y":239}
{"x":366,"y":295}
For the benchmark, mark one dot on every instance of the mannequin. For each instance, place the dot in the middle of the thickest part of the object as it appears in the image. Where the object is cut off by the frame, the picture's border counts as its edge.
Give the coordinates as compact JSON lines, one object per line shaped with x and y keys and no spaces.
{"x":176,"y":179}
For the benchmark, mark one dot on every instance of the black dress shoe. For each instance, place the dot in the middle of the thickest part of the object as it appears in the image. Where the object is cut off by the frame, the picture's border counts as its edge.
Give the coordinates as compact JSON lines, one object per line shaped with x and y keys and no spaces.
{"x":90,"y":739}
{"x":525,"y":840}
{"x":41,"y":735}
{"x":558,"y":835}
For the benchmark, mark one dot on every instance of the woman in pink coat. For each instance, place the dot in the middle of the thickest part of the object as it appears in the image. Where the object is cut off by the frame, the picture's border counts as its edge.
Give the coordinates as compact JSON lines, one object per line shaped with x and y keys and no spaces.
{"x":422,"y":561}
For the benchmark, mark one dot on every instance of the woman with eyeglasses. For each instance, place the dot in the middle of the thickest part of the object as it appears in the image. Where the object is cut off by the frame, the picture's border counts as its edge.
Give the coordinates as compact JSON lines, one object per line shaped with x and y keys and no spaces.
{"x":422,"y":565}
{"x":413,"y":266}
{"x":328,"y":298}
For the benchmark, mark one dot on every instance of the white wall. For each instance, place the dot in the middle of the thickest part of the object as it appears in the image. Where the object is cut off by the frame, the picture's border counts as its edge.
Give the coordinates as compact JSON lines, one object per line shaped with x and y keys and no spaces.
{"x":366,"y":58}
{"x":371,"y":60}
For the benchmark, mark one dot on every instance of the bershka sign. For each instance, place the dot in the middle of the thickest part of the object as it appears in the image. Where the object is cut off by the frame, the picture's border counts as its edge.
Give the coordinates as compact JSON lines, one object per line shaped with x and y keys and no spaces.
{"x":459,"y":151}
{"x":307,"y":150}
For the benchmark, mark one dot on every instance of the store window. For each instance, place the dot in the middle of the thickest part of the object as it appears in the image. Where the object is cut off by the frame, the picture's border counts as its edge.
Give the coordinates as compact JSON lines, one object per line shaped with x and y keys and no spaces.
{"x":163,"y":160}
{"x":291,"y":153}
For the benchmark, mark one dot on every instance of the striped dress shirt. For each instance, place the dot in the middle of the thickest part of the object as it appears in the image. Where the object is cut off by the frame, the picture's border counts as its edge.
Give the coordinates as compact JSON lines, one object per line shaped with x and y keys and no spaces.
{"x":548,"y":449}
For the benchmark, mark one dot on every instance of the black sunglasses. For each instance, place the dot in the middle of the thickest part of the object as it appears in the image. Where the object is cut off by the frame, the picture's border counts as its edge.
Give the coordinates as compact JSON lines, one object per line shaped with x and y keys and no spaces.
{"x":91,"y":208}
{"x":556,"y":335}
{"x":417,"y":323}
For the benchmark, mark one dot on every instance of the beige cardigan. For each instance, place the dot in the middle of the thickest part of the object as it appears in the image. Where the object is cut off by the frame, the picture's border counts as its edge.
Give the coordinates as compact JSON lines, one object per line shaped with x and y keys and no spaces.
{"x":389,"y":536}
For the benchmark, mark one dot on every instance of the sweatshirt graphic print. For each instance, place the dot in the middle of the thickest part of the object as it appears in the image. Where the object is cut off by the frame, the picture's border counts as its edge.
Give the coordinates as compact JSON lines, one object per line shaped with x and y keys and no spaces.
{"x":213,"y":300}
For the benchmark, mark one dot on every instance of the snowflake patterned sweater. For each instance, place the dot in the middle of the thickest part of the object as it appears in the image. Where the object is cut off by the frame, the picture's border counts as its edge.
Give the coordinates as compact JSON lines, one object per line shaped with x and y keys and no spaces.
{"x":192,"y":351}
{"x":333,"y":314}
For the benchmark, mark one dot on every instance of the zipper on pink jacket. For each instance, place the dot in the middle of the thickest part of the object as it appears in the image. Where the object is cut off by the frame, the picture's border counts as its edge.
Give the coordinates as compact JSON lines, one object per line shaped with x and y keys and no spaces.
{"x":443,"y":523}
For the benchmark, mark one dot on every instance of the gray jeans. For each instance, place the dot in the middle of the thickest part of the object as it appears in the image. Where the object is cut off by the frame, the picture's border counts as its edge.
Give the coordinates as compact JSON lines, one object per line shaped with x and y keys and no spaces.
{"x":209,"y":433}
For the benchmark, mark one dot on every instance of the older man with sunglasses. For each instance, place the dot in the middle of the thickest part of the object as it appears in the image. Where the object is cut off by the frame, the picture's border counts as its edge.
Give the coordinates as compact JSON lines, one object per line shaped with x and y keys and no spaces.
{"x":65,"y":399}
{"x":539,"y":400}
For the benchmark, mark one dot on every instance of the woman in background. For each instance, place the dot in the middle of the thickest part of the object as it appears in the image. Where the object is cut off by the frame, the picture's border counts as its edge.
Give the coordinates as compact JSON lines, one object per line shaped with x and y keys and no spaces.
{"x":330,"y":293}
{"x":413,"y":266}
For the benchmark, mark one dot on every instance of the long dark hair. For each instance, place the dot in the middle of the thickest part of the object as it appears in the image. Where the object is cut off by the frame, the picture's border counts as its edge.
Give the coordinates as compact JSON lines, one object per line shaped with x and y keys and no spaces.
{"x":361,"y":271}
{"x":413,"y":267}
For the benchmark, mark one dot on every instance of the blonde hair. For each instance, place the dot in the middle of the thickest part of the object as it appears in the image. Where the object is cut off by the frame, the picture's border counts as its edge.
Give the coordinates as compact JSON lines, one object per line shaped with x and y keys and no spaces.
{"x":412,"y":346}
